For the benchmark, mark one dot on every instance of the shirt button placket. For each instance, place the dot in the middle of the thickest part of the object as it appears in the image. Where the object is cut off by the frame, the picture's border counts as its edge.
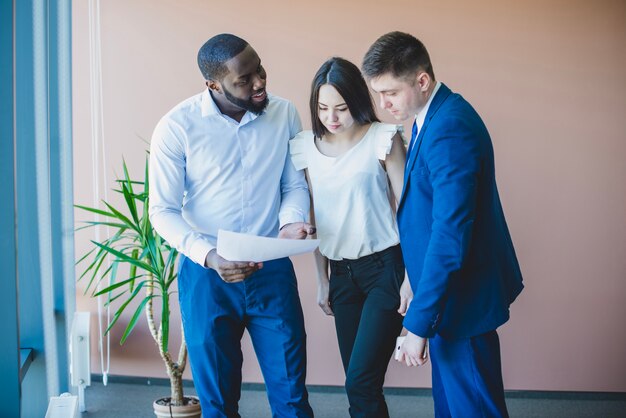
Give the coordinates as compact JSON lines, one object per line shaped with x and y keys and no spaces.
{"x":245,"y":183}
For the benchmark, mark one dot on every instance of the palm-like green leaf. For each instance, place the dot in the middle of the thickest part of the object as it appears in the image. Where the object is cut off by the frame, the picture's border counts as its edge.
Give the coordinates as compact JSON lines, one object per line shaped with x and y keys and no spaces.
{"x":165,"y":321}
{"x":95,"y":210}
{"x":114,"y":298}
{"x":133,"y":268}
{"x":121,"y":309}
{"x":96,"y":268}
{"x":114,"y":286}
{"x":119,"y":215}
{"x":92,"y":224}
{"x":170,"y":266}
{"x":126,"y":258}
{"x":133,"y":320}
{"x":127,"y":191}
{"x":120,"y":181}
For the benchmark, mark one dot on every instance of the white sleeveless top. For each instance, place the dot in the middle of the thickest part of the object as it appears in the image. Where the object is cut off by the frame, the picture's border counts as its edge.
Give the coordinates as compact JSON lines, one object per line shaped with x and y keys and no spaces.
{"x":351,"y":193}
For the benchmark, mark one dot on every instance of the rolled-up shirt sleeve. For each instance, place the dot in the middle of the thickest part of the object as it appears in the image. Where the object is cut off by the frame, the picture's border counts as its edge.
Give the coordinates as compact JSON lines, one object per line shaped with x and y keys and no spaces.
{"x":166,"y":192}
{"x":295,"y":201}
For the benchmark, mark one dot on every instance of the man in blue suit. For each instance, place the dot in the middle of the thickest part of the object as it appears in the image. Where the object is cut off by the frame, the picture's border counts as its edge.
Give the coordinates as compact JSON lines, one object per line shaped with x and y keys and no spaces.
{"x":457,"y":248}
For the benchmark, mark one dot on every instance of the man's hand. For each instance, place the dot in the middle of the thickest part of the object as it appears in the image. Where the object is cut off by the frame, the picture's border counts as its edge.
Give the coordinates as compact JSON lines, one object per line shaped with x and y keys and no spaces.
{"x":296,"y":230}
{"x":413,"y":351}
{"x":322,"y":296}
{"x":231,"y":271}
{"x":406,"y":296}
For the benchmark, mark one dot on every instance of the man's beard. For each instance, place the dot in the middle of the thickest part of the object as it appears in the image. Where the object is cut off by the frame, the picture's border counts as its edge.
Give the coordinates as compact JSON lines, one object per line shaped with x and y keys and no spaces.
{"x":248,"y":105}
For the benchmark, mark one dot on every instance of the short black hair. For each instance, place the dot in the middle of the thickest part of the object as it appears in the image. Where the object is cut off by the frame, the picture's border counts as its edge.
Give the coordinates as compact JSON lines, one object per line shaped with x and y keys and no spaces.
{"x":347,"y":79}
{"x":398,"y":53}
{"x":215,"y":52}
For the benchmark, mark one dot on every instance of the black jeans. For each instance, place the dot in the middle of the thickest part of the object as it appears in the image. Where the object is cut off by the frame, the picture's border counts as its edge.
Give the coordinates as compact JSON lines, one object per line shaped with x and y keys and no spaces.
{"x":364,"y":296}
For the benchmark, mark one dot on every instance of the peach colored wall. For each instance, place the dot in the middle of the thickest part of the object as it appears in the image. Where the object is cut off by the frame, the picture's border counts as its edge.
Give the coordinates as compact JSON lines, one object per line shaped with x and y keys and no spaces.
{"x":548,"y":79}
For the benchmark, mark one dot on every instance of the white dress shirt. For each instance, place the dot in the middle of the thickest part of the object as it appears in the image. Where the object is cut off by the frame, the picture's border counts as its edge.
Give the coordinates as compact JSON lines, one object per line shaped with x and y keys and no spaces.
{"x":421,"y":115}
{"x":210,"y":172}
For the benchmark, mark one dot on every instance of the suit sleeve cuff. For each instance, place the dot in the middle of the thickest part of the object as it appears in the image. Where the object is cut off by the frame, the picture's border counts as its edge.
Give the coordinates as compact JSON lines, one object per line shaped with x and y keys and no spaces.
{"x":419,"y":326}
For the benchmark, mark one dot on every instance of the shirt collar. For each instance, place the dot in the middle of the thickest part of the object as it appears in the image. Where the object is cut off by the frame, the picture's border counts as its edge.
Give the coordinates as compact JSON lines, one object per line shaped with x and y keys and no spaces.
{"x":421,"y":116}
{"x":209,"y":108}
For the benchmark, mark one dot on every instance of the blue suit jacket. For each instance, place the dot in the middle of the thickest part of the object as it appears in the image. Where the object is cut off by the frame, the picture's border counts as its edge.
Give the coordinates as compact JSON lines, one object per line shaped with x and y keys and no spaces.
{"x":456,"y":244}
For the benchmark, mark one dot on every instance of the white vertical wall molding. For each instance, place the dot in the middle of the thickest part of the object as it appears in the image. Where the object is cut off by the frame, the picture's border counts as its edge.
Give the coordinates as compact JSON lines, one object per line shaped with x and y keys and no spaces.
{"x":61,"y":190}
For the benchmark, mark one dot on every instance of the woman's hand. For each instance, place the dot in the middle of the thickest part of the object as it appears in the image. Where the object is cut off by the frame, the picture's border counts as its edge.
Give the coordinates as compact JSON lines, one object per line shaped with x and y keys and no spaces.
{"x":322,"y":296}
{"x":406,"y":296}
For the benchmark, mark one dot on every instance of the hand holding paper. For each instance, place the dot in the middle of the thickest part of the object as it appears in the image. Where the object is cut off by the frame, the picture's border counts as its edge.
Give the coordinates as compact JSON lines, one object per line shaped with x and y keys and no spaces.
{"x":235,"y":246}
{"x":231,"y":271}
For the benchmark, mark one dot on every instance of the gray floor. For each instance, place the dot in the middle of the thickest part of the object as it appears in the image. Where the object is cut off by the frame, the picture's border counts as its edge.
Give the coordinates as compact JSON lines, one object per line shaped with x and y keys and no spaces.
{"x":134,"y":400}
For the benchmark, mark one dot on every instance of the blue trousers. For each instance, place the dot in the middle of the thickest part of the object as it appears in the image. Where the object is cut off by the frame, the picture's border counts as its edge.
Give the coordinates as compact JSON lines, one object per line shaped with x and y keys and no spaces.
{"x":215,"y":315}
{"x":467,"y":377}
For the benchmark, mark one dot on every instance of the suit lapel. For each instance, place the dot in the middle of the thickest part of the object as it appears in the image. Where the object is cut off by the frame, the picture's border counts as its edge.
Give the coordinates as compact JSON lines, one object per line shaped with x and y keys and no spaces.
{"x":440,"y":97}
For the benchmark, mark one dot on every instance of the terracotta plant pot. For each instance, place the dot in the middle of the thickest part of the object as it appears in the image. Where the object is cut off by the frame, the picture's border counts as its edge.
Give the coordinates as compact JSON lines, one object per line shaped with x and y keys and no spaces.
{"x":191,"y":408}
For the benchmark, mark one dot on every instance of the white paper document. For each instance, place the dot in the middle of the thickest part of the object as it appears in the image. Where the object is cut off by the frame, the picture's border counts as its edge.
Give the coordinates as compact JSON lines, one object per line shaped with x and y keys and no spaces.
{"x":234,"y":246}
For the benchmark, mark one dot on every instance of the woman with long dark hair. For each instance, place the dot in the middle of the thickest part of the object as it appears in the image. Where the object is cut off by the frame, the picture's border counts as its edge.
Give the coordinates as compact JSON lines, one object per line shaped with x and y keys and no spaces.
{"x":351,"y":160}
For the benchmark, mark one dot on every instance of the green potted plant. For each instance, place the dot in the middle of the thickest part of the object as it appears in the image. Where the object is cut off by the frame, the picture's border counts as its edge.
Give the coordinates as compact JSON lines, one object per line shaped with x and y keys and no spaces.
{"x":151,"y":273}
